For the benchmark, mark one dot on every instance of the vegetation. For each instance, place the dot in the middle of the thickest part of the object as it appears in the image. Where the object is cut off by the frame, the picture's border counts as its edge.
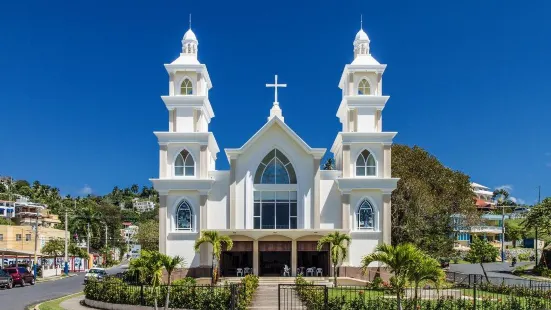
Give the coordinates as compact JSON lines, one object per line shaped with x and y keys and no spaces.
{"x":149,"y":266}
{"x":148,"y":235}
{"x":55,"y":304}
{"x":170,"y":263}
{"x":428,"y":194}
{"x":54,"y":248}
{"x":338,"y":248}
{"x":540,"y":217}
{"x":217,"y":242}
{"x":482,"y":252}
{"x":90,"y":214}
{"x":407,"y":263}
{"x":513,"y":231}
{"x":187,"y":295}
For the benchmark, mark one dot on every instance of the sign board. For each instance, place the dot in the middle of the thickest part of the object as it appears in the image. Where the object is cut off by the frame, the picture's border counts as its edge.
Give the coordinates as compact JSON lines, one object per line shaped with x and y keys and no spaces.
{"x":135,"y":250}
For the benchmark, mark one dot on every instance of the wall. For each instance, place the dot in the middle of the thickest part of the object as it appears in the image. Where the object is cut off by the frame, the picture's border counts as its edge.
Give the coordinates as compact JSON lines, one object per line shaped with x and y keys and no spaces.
{"x":181,"y":242}
{"x":248,"y":162}
{"x":330,"y":200}
{"x":362,"y":244}
{"x":217,"y":205}
{"x":9,"y":237}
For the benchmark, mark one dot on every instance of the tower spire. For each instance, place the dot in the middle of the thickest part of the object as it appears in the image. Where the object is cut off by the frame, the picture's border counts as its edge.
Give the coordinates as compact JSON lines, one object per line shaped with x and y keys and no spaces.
{"x":361,"y":21}
{"x":189,"y":20}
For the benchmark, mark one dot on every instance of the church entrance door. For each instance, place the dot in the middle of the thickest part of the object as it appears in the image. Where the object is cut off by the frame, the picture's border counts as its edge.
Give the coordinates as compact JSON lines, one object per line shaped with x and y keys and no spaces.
{"x":273,"y":257}
{"x":240,"y":256}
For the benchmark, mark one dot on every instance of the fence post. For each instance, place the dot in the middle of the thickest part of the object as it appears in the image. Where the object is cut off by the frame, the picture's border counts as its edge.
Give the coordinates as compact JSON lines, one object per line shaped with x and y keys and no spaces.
{"x":142,"y":301}
{"x":232,"y":298}
{"x":325,"y":297}
{"x":474,"y":295}
{"x":530,"y":283}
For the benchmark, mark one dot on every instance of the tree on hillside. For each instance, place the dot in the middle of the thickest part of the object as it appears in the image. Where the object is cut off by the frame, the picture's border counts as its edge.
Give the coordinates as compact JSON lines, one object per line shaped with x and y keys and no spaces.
{"x":428,"y":194}
{"x":540,"y":217}
{"x":482,"y":252}
{"x":148,"y":235}
{"x":338,"y":249}
{"x":513,"y":231}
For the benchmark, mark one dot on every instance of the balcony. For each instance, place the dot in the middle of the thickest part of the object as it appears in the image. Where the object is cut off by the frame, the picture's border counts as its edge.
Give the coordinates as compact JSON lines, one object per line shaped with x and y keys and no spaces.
{"x":486,"y":229}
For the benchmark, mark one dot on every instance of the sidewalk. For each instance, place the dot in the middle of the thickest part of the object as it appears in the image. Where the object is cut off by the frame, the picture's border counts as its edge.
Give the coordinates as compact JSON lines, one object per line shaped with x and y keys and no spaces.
{"x":73,"y":303}
{"x":55,"y":278}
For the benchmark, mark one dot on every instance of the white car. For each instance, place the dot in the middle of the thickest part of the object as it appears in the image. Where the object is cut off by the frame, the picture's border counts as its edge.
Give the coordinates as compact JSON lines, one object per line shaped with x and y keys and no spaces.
{"x":97,"y":273}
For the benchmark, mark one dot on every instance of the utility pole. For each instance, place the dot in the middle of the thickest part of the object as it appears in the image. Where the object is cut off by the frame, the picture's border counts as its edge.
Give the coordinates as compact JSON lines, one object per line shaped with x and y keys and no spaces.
{"x":536,"y":240}
{"x":105,"y":235}
{"x":502,"y":234}
{"x":35,"y":265}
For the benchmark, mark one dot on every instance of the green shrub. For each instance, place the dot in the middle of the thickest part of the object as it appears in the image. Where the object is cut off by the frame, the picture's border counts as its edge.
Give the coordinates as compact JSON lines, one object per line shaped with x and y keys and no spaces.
{"x":377,"y":283}
{"x":185,"y":281}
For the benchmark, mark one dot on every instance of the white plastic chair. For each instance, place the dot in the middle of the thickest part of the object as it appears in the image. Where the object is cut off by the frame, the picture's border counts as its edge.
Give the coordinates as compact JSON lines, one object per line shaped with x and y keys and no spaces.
{"x":239,"y":272}
{"x":310,"y":271}
{"x":247,"y":270}
{"x":319,"y":272}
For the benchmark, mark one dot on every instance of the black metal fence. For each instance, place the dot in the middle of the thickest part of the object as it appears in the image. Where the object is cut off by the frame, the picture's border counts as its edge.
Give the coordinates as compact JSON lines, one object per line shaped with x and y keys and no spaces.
{"x":454,"y":297}
{"x":200,"y":297}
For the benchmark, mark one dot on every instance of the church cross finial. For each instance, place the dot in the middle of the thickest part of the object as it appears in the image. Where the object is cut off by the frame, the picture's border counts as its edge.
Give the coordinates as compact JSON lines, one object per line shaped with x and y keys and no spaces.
{"x":361,"y":21}
{"x":275,"y":86}
{"x":189,"y":20}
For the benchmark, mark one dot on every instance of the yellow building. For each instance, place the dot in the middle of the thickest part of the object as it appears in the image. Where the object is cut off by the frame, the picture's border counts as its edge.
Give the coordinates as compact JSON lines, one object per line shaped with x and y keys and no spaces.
{"x":21,"y":238}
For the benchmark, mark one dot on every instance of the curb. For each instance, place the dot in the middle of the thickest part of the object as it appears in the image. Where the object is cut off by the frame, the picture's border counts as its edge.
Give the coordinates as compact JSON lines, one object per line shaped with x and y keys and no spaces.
{"x":37,"y":306}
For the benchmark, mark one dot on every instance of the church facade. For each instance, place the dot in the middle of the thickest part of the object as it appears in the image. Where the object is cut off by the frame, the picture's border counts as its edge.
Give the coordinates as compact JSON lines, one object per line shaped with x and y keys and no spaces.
{"x":275,"y":202}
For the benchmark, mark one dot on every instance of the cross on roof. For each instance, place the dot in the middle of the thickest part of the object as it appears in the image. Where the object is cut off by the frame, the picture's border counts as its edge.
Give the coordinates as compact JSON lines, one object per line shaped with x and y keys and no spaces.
{"x":275,"y":86}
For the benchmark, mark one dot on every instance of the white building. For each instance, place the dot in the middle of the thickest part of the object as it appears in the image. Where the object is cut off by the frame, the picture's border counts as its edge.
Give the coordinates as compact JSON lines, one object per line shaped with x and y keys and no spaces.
{"x":143,"y":205}
{"x":274,"y":202}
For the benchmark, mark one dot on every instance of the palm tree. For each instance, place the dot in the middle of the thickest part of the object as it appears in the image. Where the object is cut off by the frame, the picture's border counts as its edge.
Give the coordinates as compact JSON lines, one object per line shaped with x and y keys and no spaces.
{"x":425,"y":268}
{"x":170,"y":263}
{"x":338,"y":248}
{"x":399,"y":259}
{"x":216,"y":240}
{"x":134,"y":188}
{"x":149,"y":266}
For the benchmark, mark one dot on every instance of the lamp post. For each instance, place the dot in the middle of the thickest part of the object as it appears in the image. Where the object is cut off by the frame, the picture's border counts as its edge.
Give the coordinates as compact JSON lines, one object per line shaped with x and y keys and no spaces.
{"x":536,"y":239}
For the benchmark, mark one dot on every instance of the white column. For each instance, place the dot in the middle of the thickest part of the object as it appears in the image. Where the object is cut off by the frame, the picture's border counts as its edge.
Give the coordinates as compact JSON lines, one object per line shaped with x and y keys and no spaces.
{"x":162,"y":223}
{"x":346,"y":161}
{"x":203,"y":163}
{"x":345,"y":198}
{"x":316,"y":196}
{"x":387,"y":161}
{"x":294,"y":258}
{"x":387,"y":221}
{"x":233,"y":163}
{"x":163,"y":163}
{"x":255,"y":257}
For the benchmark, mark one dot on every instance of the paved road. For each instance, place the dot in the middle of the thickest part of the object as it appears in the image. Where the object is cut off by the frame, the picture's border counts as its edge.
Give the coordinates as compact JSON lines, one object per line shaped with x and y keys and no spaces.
{"x":497,"y":273}
{"x":19,"y":298}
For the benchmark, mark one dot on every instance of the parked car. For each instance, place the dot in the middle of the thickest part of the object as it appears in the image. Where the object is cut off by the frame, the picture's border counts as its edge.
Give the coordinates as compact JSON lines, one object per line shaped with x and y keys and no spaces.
{"x":20,"y":275}
{"x":5,"y":280}
{"x":97,"y":273}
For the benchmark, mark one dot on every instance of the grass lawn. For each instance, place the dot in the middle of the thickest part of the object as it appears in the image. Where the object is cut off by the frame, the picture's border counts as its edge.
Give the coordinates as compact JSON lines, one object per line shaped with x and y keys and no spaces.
{"x":350,"y":294}
{"x":54,"y":304}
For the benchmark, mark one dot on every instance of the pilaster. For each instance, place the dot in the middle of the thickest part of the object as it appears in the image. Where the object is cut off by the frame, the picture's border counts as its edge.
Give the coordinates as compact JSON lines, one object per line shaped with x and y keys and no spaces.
{"x":203,"y":163}
{"x":316,"y":189}
{"x":203,"y":203}
{"x":163,"y":163}
{"x":162,"y":223}
{"x":346,"y":161}
{"x":388,"y":159}
{"x":232,"y":193}
{"x":345,"y":198}
{"x":387,"y":221}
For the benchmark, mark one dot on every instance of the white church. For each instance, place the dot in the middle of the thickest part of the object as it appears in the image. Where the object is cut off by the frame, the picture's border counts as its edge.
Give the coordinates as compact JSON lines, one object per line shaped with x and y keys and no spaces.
{"x":275,"y":202}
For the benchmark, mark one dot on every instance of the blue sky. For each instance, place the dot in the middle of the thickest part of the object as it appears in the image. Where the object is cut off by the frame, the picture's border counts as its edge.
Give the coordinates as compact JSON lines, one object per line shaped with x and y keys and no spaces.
{"x":80,"y":81}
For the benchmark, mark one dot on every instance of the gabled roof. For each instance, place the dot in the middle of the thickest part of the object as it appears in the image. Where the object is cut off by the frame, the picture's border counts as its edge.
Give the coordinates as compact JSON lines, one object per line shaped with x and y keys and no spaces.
{"x":316,"y":152}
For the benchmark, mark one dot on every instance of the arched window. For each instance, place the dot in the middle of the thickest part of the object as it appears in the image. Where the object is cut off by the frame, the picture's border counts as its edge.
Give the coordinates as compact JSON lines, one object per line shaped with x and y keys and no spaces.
{"x":364,"y":88}
{"x":186,"y":88}
{"x":275,"y":168}
{"x":365,"y":216}
{"x":365,"y":164}
{"x":184,"y":217}
{"x":184,"y":164}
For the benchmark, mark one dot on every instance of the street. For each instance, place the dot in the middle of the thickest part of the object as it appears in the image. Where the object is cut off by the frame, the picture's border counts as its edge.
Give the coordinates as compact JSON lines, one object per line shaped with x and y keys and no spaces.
{"x":19,"y":298}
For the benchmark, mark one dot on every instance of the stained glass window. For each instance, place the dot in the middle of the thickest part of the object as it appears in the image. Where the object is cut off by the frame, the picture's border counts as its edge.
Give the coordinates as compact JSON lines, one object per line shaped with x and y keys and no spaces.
{"x":184,"y":217}
{"x":366,"y":216}
{"x":275,"y":168}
